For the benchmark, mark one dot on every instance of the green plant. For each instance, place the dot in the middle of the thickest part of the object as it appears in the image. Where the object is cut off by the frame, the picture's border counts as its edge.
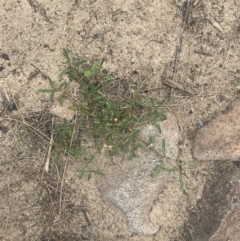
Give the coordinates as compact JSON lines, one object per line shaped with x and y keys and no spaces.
{"x":180,"y":168}
{"x":51,"y":91}
{"x":62,"y":87}
{"x":113,"y":122}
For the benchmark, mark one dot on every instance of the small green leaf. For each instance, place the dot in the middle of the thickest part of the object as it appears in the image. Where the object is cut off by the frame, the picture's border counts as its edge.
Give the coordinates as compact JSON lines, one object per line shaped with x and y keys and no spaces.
{"x":99,"y":173}
{"x":61,"y":100}
{"x":67,"y":86}
{"x":134,"y":133}
{"x":73,"y":73}
{"x":97,"y":121}
{"x":51,"y":83}
{"x":85,"y":105}
{"x":52,"y":96}
{"x":65,"y":53}
{"x":158,"y":116}
{"x":60,"y":87}
{"x":135,"y":117}
{"x":101,"y":62}
{"x":82,"y":172}
{"x":88,"y":72}
{"x":46,"y":90}
{"x":188,"y":164}
{"x":163,"y":147}
{"x":141,"y":144}
{"x":181,"y":182}
{"x":65,"y":71}
{"x":64,"y":85}
{"x":168,"y":169}
{"x":157,"y":170}
{"x":238,"y":87}
{"x":80,"y":63}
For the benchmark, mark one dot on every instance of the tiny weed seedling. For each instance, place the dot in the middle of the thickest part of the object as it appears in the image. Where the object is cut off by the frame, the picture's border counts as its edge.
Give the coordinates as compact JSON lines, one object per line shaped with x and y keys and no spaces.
{"x":180,"y":168}
{"x":112,"y":122}
{"x":50,"y":91}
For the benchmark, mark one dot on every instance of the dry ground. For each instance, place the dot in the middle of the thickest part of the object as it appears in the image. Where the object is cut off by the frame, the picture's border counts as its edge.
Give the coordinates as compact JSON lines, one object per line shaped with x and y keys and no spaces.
{"x":138,"y":39}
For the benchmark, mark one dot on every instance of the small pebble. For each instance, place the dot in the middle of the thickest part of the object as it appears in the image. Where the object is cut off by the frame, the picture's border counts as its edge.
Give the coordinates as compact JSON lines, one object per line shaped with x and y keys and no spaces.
{"x":200,"y":123}
{"x":12,"y":106}
{"x":3,"y":129}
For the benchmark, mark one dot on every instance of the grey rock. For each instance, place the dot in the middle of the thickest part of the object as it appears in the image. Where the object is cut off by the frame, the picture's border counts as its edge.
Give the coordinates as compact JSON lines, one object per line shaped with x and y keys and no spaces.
{"x":229,"y":229}
{"x":130,"y":188}
{"x":220,"y":138}
{"x":216,"y":215}
{"x":62,"y":111}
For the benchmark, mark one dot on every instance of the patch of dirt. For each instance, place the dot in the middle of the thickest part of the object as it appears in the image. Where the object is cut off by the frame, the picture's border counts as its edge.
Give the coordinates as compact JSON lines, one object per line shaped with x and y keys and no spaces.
{"x":138,"y":39}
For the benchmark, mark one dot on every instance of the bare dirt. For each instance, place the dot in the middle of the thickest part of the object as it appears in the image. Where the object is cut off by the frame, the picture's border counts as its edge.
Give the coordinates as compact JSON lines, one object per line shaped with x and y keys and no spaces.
{"x":138,"y":39}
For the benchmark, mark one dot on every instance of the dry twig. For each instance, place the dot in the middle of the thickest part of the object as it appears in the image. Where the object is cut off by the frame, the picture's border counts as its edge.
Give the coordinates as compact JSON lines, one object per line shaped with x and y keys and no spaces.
{"x":32,"y":75}
{"x":43,"y":74}
{"x":214,"y":23}
{"x":46,"y":167}
{"x":176,"y":85}
{"x":179,"y":46}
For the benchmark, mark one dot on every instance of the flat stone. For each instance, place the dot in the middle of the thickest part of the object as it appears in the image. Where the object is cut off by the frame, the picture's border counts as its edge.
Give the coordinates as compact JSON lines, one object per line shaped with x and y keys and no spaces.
{"x":220,"y":138}
{"x":229,"y":229}
{"x":62,"y":111}
{"x":130,"y":188}
{"x":216,"y":215}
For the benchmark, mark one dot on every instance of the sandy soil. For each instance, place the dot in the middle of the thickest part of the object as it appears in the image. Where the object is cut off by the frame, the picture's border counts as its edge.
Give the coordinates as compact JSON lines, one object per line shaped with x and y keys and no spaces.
{"x":138,"y":39}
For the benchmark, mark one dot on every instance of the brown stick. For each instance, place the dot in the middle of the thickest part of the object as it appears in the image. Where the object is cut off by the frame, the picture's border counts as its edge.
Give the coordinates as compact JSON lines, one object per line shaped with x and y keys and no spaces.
{"x":179,"y":46}
{"x":176,"y":85}
{"x":46,"y":167}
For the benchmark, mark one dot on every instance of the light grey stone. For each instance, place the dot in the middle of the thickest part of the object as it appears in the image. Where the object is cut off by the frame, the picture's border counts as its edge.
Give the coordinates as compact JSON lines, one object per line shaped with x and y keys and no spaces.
{"x":216,"y":215}
{"x":220,"y":138}
{"x":130,"y":188}
{"x":229,"y":227}
{"x":62,"y":111}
